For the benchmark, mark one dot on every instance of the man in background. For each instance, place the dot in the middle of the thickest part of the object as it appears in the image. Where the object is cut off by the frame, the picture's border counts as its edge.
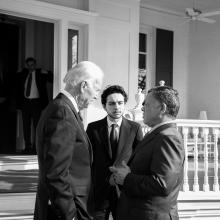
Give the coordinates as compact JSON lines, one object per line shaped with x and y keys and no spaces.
{"x":113,"y":139}
{"x":32,"y":98}
{"x":64,"y":151}
{"x":152,"y":179}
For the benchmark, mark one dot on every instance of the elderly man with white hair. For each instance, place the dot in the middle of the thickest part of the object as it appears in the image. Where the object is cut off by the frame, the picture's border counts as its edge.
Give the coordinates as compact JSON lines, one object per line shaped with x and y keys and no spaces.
{"x":64,"y":151}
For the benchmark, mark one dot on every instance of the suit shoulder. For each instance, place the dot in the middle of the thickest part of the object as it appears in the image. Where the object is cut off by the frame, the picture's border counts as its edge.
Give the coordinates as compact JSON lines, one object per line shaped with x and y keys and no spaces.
{"x":171,"y":134}
{"x":96,"y":123}
{"x":133,"y":123}
{"x":58,"y":104}
{"x":170,"y":131}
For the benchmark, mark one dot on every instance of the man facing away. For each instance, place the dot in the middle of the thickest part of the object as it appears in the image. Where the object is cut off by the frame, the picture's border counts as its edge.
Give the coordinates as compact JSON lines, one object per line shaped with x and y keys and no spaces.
{"x":113,"y":139}
{"x":32,"y":98}
{"x":152,"y":179}
{"x":64,"y":151}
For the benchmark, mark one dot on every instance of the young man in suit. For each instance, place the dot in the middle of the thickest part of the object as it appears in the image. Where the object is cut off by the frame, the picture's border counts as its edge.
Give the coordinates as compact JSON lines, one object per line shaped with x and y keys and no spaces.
{"x":64,"y":151}
{"x":152,"y":179}
{"x":32,"y":98}
{"x":113,"y":139}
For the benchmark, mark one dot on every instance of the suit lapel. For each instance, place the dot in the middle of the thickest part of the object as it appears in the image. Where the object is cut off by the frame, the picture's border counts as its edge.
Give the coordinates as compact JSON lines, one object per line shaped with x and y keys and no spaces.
{"x":148,"y":137}
{"x":84,"y":135}
{"x":105,"y":138}
{"x":124,"y":138}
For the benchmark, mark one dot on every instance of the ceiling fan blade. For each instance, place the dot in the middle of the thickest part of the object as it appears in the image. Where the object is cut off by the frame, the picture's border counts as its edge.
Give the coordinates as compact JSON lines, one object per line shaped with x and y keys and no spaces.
{"x":208,"y":20}
{"x":211,"y":13}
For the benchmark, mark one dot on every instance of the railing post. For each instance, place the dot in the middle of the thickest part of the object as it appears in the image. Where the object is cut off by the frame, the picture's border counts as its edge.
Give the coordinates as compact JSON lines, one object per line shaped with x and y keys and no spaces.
{"x":186,"y":165}
{"x":206,"y":180}
{"x":216,"y":184}
{"x":196,"y":182}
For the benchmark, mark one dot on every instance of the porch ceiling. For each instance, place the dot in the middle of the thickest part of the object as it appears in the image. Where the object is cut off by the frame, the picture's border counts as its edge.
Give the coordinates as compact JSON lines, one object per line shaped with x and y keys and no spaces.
{"x":179,"y":6}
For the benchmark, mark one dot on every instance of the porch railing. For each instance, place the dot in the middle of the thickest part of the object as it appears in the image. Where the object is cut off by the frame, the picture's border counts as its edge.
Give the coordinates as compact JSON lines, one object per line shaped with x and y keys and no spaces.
{"x":201,"y":144}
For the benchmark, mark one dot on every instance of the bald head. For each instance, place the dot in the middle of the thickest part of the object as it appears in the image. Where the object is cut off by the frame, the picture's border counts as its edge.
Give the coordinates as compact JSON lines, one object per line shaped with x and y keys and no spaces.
{"x":84,"y":82}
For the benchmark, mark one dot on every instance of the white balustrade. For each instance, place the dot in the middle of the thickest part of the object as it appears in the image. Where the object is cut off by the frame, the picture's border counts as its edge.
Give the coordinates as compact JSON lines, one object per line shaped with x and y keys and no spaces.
{"x":206,"y":181}
{"x":216,"y":184}
{"x":196,"y":179}
{"x":201,"y":141}
{"x":185,"y":132}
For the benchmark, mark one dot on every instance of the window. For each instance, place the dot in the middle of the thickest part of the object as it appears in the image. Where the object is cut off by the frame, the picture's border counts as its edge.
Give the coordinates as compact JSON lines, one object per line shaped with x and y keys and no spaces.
{"x":142,"y":63}
{"x":73,"y":36}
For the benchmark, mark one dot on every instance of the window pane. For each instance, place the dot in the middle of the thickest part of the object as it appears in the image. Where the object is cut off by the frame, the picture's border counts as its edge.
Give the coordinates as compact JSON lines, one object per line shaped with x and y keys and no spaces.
{"x":142,"y":42}
{"x":142,"y":61}
{"x":72,"y":47}
{"x":142,"y":79}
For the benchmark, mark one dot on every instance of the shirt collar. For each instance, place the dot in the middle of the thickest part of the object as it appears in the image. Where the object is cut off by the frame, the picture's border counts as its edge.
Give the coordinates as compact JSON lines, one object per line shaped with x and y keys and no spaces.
{"x":71,"y":98}
{"x":113,"y":122}
{"x":160,"y":124}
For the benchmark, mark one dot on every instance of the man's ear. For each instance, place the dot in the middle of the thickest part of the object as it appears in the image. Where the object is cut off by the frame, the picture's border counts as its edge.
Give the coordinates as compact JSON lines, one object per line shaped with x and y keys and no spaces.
{"x":83,"y":85}
{"x":163,"y":108}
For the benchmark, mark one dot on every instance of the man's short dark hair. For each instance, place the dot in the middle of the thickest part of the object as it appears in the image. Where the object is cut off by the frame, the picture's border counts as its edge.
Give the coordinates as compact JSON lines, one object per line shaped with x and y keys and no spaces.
{"x":168,"y":96}
{"x":113,"y":89}
{"x":30,"y":59}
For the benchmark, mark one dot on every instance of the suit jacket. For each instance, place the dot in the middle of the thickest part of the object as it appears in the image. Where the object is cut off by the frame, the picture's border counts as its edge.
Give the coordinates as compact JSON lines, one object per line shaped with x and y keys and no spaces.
{"x":130,"y":135}
{"x":150,"y":191}
{"x":42,"y":78}
{"x":65,"y":158}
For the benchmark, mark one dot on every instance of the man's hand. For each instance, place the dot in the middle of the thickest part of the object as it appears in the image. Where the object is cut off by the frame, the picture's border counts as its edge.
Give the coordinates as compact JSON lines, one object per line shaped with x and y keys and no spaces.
{"x":112,"y":181}
{"x":119,"y":173}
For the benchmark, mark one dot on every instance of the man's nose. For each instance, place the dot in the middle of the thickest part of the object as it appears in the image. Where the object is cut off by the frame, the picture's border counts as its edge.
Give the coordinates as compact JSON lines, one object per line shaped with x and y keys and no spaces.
{"x":116,"y":105}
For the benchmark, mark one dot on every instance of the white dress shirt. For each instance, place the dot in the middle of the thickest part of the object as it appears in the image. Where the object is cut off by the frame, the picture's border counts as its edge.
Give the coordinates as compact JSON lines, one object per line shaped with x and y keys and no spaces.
{"x":34,"y":94}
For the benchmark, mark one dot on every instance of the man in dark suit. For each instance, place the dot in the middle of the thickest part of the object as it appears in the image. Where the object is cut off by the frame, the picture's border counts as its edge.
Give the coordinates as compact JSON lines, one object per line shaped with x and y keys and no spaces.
{"x":109,"y":150}
{"x":153,"y":177}
{"x":64,"y":150}
{"x":32,"y":98}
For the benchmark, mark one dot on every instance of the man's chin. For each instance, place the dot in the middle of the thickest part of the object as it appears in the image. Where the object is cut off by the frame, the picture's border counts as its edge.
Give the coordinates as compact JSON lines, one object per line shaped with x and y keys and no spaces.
{"x":116,"y":116}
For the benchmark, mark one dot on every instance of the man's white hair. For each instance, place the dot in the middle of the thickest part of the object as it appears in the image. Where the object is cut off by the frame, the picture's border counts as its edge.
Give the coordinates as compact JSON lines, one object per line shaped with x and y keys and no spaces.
{"x":85,"y":70}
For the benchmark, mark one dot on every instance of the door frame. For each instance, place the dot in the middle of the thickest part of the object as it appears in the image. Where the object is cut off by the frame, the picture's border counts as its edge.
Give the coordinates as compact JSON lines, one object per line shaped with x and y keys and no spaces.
{"x":63,"y":18}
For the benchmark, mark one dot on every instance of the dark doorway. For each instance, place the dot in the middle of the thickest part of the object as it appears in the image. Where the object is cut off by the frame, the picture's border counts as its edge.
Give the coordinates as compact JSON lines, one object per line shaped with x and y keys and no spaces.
{"x":20,"y":38}
{"x":9,"y":40}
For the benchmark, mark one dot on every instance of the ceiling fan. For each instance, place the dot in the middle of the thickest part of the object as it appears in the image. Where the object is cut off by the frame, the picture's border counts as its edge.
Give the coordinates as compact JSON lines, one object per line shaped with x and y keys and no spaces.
{"x":195,"y":14}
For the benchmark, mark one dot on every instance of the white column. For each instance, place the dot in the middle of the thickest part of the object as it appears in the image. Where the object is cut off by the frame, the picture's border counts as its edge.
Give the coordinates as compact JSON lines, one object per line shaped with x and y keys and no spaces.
{"x":60,"y":50}
{"x":196,"y":183}
{"x":185,"y":132}
{"x":216,"y":184}
{"x":206,"y":180}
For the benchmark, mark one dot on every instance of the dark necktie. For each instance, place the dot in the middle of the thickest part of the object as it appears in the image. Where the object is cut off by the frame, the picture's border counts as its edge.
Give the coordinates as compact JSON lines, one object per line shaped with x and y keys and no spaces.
{"x":28,"y":88}
{"x":113,"y":141}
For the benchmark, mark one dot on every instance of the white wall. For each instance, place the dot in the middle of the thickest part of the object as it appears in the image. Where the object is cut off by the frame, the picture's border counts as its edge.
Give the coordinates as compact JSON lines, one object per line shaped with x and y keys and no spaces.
{"x":116,"y":47}
{"x":181,"y":43}
{"x":204,"y":69}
